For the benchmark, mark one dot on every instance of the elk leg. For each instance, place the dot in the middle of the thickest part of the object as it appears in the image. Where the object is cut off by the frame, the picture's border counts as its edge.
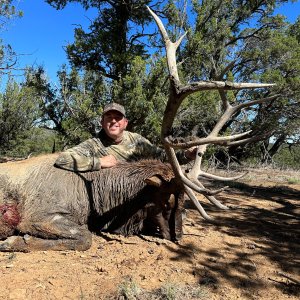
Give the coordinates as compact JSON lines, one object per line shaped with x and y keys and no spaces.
{"x":60,"y":234}
{"x":175,"y":221}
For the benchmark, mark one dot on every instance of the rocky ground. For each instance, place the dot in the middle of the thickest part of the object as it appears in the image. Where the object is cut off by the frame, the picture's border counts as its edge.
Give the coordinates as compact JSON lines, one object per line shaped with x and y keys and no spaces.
{"x":251,"y":253}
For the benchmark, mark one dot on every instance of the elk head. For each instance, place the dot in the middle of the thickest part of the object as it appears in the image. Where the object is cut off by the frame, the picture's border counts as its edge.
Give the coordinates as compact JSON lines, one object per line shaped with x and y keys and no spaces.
{"x":178,"y":92}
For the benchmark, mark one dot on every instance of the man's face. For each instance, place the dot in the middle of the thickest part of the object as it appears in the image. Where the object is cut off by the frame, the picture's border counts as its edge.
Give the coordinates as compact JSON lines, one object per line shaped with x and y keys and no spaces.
{"x":114,"y":123}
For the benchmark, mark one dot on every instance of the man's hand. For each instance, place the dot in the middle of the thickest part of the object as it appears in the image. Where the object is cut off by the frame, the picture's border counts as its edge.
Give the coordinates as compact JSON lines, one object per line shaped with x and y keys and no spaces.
{"x":108,"y":161}
{"x":191,"y":153}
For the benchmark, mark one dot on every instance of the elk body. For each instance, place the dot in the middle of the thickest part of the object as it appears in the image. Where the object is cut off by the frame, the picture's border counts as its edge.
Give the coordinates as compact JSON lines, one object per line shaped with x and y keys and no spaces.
{"x":43,"y":207}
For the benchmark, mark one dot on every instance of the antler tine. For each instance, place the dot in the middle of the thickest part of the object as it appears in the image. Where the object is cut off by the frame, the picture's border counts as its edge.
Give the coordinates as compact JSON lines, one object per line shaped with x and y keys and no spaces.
{"x":170,"y":46}
{"x":220,"y":178}
{"x":215,"y":202}
{"x":194,"y":174}
{"x":189,"y":183}
{"x":199,"y":207}
{"x":223,"y":85}
{"x":213,"y":138}
{"x":212,"y":199}
{"x":217,"y":140}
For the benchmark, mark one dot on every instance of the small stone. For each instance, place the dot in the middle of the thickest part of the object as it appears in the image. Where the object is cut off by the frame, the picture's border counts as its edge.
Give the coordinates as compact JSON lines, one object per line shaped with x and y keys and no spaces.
{"x":51,"y":282}
{"x":213,"y":259}
{"x":160,"y":257}
{"x":251,"y":246}
{"x":100,"y":269}
{"x":150,"y":251}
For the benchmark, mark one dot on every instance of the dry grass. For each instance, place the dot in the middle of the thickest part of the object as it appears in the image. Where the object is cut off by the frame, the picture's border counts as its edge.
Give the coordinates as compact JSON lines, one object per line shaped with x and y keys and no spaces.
{"x":129,"y":290}
{"x":266,"y":173}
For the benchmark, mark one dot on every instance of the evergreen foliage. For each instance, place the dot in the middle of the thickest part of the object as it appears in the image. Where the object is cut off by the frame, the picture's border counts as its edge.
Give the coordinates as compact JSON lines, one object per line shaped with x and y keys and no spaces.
{"x":243,"y":41}
{"x":120,"y":59}
{"x":71,"y":108}
{"x":18,"y":115}
{"x":8,"y":57}
{"x":114,"y":38}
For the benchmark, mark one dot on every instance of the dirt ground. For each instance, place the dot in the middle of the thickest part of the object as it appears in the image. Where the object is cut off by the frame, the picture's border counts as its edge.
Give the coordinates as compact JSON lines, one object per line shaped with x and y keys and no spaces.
{"x":251,"y":253}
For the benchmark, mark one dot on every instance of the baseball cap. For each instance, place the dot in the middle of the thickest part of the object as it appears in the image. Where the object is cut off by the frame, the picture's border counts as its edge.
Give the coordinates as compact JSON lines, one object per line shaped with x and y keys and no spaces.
{"x":114,"y":106}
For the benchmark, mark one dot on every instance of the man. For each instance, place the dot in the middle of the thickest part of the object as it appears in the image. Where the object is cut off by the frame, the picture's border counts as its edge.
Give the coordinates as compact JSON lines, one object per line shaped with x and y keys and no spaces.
{"x":113,"y":144}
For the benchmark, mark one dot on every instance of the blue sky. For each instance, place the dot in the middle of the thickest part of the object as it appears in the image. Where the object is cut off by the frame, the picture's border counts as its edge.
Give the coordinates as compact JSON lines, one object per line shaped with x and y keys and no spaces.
{"x":43,"y":31}
{"x":39,"y":36}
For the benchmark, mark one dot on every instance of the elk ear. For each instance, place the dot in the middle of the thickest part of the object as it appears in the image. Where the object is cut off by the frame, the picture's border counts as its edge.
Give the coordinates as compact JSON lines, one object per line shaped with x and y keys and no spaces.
{"x":154,"y":180}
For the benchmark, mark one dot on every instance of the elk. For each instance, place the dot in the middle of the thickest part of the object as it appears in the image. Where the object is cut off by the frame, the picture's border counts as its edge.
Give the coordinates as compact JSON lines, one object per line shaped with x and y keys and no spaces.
{"x":46,"y":208}
{"x":178,"y":92}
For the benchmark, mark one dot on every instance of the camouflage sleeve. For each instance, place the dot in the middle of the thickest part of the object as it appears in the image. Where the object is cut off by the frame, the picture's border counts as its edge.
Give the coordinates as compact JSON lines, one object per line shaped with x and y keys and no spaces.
{"x":83,"y":157}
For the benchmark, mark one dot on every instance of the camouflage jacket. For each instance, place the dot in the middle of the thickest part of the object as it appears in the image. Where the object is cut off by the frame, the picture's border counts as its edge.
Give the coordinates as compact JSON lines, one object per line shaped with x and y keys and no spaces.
{"x":85,"y":156}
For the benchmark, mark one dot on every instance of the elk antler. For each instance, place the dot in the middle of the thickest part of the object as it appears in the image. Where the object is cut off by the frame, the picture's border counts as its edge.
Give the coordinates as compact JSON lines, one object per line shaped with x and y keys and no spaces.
{"x":178,"y":92}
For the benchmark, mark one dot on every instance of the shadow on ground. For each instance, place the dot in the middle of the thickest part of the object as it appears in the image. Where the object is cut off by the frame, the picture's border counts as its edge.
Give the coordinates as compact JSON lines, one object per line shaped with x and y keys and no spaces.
{"x":264,"y":226}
